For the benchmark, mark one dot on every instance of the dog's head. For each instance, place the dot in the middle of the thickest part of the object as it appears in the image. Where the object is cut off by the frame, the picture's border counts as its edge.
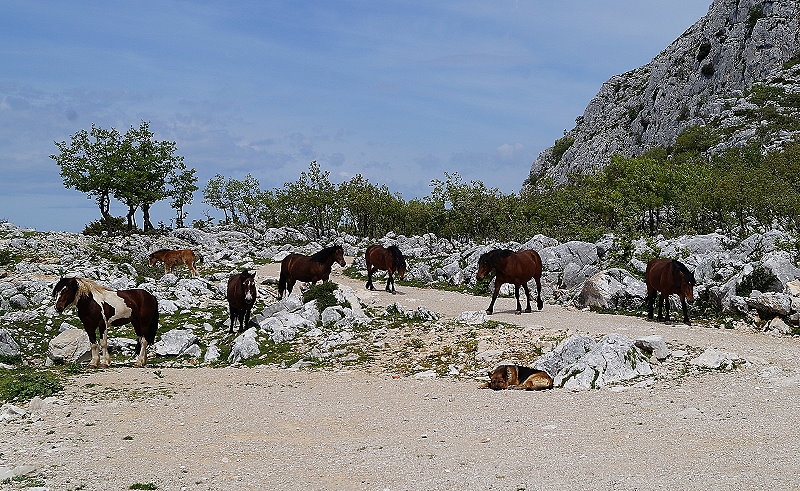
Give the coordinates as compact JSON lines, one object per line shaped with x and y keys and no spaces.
{"x":500,"y":376}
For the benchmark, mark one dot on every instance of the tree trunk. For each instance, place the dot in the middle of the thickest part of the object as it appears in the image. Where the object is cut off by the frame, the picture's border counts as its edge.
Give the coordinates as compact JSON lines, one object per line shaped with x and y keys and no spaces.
{"x":130,"y":216}
{"x":146,"y":218}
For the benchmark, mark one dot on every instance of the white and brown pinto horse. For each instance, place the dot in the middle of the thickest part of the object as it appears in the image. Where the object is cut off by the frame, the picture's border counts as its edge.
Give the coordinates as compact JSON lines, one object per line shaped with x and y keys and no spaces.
{"x":176,"y":257}
{"x":100,"y":308}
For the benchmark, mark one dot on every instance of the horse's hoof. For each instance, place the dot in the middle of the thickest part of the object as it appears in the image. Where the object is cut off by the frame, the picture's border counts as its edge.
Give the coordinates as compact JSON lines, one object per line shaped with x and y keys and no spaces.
{"x":518,"y":312}
{"x":540,"y":305}
{"x":528,"y":310}
{"x":488,"y":312}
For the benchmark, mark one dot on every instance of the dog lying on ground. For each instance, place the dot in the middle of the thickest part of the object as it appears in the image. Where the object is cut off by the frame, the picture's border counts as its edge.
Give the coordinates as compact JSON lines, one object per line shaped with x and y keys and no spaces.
{"x":518,"y":377}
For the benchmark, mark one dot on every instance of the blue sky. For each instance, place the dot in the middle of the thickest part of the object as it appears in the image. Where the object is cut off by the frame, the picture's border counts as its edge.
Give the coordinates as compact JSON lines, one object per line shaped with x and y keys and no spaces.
{"x":398,"y":91}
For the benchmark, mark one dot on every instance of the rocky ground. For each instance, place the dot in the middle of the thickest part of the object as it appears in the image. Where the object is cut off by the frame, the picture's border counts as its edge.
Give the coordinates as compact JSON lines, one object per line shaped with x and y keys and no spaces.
{"x":366,"y":425}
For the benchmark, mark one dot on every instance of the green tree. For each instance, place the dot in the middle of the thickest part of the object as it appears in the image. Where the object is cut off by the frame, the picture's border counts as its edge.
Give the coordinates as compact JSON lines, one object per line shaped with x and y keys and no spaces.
{"x":311,"y":200}
{"x":182,"y":184}
{"x":89,"y":162}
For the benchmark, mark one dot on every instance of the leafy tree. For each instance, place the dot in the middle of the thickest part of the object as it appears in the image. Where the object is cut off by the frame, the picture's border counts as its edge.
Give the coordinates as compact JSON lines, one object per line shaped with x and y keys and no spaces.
{"x":182,"y":184}
{"x":311,"y":200}
{"x":89,"y":162}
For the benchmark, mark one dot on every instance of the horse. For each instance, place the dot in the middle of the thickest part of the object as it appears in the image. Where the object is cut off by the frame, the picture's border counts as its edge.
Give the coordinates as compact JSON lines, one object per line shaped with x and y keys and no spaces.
{"x":172,"y":258}
{"x":309,"y":269}
{"x":668,"y":276}
{"x":100,"y":307}
{"x":512,"y":267}
{"x":389,"y":259}
{"x":241,"y":297}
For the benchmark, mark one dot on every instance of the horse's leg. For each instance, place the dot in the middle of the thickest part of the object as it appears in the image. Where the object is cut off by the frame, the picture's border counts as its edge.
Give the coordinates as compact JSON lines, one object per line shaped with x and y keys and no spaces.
{"x":193,"y":270}
{"x":666,"y":307}
{"x":106,"y":356}
{"x":93,"y":343}
{"x":528,"y":297}
{"x":494,"y":297}
{"x":685,"y":311}
{"x":516,"y":294}
{"x":650,"y":302}
{"x":246,"y":318}
{"x":233,"y":319}
{"x":539,"y":302}
{"x":660,"y":307}
{"x":141,"y":360}
{"x":369,"y":285}
{"x":290,"y":285}
{"x":390,"y":281}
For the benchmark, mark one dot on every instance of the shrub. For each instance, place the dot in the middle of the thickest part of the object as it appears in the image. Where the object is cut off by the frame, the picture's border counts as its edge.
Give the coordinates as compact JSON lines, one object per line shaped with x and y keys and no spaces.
{"x":323,"y":294}
{"x":760,"y":279}
{"x":110,"y":225}
{"x":561,"y":146}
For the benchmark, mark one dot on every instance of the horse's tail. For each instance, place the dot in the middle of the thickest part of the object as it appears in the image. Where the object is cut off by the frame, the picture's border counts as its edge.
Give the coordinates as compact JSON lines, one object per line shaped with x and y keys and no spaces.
{"x":150,"y":336}
{"x":282,"y":280}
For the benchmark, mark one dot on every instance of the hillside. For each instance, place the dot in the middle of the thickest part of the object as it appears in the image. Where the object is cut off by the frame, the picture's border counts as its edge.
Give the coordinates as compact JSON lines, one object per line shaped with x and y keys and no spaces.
{"x":736,"y":70}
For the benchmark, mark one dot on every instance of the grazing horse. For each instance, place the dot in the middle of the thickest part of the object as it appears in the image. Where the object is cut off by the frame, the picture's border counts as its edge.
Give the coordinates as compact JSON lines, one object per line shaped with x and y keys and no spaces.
{"x":389,"y":259}
{"x":668,"y":276}
{"x":241,"y":297}
{"x":100,"y":308}
{"x":512,"y":267}
{"x":172,"y":258}
{"x":309,"y":269}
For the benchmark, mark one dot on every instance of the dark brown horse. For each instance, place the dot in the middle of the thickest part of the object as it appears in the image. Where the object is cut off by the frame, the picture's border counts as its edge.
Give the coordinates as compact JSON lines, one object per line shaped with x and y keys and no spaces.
{"x":389,"y":259}
{"x":172,"y":258}
{"x":668,"y":276}
{"x":100,"y":308}
{"x":310,"y":269}
{"x":241,"y":297}
{"x":512,"y":267}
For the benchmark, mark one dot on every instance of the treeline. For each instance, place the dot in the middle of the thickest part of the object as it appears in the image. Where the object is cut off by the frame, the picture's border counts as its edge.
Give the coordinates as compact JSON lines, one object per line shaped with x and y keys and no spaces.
{"x":666,"y":191}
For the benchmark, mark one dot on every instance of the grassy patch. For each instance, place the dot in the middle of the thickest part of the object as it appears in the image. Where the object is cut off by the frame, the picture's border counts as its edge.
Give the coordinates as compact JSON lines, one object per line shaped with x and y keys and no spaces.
{"x":23,"y":384}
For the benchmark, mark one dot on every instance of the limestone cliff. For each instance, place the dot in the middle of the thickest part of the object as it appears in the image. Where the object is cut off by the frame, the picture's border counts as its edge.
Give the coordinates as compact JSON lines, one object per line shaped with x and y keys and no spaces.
{"x":736,"y":70}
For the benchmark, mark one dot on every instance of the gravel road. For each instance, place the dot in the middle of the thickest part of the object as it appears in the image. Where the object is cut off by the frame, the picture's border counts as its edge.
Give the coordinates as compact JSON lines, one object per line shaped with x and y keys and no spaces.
{"x":262,"y":428}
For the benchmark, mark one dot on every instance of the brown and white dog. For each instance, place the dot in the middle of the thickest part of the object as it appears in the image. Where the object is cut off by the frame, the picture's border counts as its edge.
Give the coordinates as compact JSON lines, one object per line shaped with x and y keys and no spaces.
{"x":518,"y":377}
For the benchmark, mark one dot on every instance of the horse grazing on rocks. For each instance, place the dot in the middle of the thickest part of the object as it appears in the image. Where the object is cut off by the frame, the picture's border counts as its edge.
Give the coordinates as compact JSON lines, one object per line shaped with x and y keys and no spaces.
{"x":518,"y":377}
{"x":100,"y":308}
{"x":668,"y":276}
{"x":310,"y":269}
{"x":389,"y":259}
{"x":241,"y":297}
{"x":176,"y":257}
{"x":512,"y":267}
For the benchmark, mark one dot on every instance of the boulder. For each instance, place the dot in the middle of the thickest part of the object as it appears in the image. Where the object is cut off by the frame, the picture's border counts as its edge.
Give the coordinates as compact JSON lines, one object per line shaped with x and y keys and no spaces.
{"x":714,"y":359}
{"x":770,"y":303}
{"x":70,"y":346}
{"x":612,"y":289}
{"x":175,"y":342}
{"x":654,"y":345}
{"x":580,"y":363}
{"x":8,"y":347}
{"x":244,"y":346}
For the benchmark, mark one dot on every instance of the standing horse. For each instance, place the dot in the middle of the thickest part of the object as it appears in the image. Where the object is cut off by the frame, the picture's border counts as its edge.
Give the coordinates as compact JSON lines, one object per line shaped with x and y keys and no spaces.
{"x":241,"y":297}
{"x":389,"y":259}
{"x":309,"y":269}
{"x":172,"y":258}
{"x":512,"y":267}
{"x":100,"y":307}
{"x":668,"y":276}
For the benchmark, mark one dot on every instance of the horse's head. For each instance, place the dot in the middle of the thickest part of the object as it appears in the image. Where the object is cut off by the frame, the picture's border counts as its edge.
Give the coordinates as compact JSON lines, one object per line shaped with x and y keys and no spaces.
{"x":66,"y":293}
{"x":398,"y":261}
{"x":485,"y":266}
{"x":338,"y":255}
{"x":687,"y":281}
{"x":249,"y":286}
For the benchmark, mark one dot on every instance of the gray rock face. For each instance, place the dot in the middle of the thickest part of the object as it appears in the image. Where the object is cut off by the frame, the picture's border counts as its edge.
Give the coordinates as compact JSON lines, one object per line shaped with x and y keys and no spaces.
{"x":702,"y":78}
{"x":175,"y":342}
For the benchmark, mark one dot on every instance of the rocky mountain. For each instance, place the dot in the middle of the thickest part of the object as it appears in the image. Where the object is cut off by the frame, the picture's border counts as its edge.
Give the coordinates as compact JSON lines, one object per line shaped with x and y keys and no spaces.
{"x":736,"y":71}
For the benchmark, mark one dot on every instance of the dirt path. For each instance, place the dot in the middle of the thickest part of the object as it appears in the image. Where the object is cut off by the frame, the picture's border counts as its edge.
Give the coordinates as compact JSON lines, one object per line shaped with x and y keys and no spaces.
{"x":259,"y":428}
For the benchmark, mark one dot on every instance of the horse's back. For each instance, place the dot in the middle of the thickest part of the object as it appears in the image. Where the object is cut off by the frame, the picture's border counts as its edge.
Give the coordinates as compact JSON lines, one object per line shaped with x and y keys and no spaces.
{"x":530,"y":263}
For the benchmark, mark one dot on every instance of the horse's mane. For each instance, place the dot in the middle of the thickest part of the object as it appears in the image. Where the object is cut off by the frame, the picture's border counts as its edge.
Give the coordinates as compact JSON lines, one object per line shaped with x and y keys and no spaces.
{"x":160,"y":251}
{"x":492,"y":256}
{"x":88,"y":288}
{"x":397,"y":256}
{"x":324,"y":254}
{"x":683,"y":269}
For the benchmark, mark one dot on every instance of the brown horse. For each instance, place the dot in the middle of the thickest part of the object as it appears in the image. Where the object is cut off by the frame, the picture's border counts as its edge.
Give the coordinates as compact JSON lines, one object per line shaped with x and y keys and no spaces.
{"x":668,"y":276}
{"x":389,"y":259}
{"x":241,"y":297}
{"x":310,"y":269}
{"x":172,"y":258}
{"x":100,"y":307}
{"x":512,"y":267}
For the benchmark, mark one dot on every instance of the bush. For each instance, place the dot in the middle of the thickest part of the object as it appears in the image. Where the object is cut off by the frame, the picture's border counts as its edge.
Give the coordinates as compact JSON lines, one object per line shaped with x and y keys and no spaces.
{"x":323,"y":294}
{"x":760,"y":279}
{"x":110,"y":225}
